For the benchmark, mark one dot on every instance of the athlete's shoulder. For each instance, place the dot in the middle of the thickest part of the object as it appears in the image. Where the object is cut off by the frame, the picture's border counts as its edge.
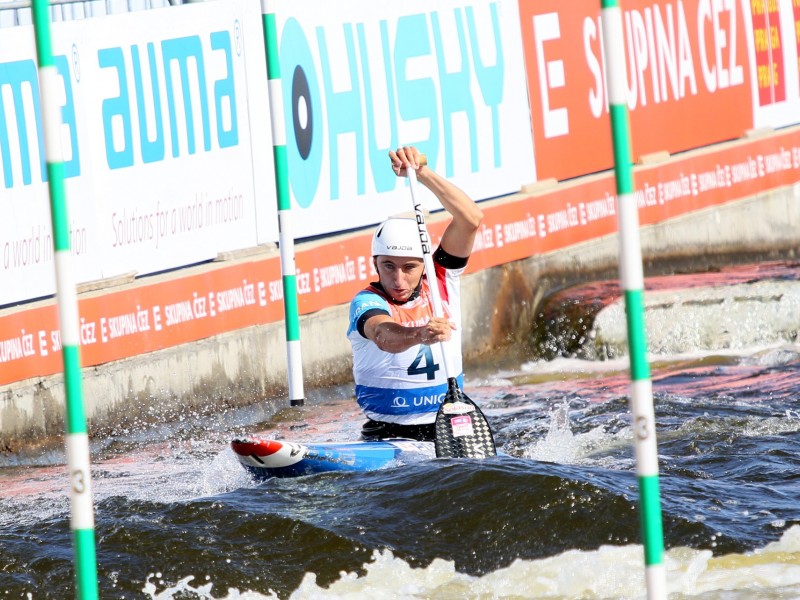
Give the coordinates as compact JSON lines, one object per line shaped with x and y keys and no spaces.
{"x":367,"y":299}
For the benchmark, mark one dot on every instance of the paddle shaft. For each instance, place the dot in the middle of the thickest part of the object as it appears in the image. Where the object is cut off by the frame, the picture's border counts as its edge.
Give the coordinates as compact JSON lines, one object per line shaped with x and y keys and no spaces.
{"x":461,"y":429}
{"x":427,"y":258}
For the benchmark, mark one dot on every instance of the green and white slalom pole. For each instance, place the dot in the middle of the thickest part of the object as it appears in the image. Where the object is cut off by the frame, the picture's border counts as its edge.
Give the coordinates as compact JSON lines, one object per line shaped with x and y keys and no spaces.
{"x":77,"y":440}
{"x":294,"y":354}
{"x":632,"y":278}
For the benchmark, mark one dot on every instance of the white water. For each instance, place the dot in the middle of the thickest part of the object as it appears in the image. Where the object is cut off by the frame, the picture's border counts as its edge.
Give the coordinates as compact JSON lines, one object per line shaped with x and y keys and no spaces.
{"x":195,"y":469}
{"x":610,"y":572}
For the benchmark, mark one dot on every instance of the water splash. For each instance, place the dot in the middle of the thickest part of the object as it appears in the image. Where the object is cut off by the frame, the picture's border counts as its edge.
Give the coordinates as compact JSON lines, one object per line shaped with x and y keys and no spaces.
{"x":563,"y":446}
{"x":184,"y":589}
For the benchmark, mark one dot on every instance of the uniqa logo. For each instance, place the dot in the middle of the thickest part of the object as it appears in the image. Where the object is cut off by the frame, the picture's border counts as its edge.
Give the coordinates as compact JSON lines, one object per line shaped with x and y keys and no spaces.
{"x":434,"y":400}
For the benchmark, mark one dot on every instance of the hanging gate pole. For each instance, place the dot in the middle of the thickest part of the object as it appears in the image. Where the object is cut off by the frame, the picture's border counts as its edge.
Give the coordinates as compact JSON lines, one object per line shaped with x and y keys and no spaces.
{"x":77,"y":440}
{"x":292,"y":320}
{"x":632,"y":278}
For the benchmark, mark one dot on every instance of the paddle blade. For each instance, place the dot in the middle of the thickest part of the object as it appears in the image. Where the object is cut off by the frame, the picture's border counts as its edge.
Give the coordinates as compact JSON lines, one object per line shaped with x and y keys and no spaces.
{"x":461,"y":429}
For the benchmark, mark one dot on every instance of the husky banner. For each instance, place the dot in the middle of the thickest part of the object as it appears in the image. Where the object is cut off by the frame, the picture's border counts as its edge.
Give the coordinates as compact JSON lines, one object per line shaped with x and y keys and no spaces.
{"x":361,"y":78}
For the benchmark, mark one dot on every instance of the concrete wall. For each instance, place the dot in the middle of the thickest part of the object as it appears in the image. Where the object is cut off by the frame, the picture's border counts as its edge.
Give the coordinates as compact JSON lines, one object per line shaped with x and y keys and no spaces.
{"x":500,"y":307}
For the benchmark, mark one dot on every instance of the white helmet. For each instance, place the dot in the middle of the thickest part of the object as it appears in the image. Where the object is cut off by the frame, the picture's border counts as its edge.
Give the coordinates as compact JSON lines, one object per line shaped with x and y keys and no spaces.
{"x":397,"y":237}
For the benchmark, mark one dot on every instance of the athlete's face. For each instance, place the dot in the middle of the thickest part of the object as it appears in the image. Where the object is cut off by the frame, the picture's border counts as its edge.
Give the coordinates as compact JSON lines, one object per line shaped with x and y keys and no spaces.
{"x":399,"y":275}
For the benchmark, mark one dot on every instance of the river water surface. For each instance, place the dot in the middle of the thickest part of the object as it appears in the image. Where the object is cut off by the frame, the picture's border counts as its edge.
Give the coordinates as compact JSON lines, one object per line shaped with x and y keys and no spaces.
{"x":177,"y":517}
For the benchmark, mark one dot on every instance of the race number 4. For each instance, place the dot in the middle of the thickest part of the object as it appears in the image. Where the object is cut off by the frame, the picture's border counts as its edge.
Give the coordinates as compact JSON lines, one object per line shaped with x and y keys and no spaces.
{"x":424,"y":364}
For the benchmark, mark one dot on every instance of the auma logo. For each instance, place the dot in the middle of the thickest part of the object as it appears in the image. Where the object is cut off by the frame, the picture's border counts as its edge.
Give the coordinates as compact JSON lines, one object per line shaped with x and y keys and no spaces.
{"x":20,"y":153}
{"x":136,"y":104}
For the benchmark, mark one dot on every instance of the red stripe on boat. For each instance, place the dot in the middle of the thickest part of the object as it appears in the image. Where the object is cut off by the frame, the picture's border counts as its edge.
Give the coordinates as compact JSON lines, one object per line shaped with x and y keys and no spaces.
{"x":257,"y":447}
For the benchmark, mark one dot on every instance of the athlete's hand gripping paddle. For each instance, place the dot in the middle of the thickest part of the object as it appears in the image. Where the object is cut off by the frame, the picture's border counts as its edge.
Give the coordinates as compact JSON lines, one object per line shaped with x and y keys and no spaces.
{"x":461,"y":429}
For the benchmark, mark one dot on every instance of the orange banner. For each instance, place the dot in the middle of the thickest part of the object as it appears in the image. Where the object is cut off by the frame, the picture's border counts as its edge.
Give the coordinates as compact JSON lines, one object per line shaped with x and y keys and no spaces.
{"x":144,"y":318}
{"x":685,"y":60}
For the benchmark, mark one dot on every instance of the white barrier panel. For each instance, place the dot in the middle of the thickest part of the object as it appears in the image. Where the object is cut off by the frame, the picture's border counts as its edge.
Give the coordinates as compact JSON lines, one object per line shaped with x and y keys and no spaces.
{"x":159,"y":108}
{"x":167,"y":139}
{"x":26,"y":241}
{"x":363,"y":77}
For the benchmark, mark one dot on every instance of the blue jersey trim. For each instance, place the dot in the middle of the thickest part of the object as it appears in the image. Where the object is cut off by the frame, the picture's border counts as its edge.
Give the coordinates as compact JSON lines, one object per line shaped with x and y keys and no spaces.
{"x":397,"y":402}
{"x":364,"y":301}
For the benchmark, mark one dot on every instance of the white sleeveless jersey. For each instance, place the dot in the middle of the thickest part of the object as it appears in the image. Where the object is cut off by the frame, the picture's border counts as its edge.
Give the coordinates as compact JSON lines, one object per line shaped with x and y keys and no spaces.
{"x":409,"y":386}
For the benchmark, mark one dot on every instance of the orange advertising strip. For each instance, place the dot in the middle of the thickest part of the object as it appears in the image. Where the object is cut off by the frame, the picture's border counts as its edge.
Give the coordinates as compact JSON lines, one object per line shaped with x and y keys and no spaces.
{"x":740,"y":171}
{"x":685,"y":60}
{"x":142,"y":319}
{"x":151,"y":316}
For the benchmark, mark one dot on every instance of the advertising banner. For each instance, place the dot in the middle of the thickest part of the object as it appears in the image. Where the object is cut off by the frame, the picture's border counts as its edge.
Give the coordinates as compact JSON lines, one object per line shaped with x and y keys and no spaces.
{"x":159,"y":110}
{"x":27,"y":269}
{"x":698,"y":72}
{"x":361,"y":78}
{"x":773,"y":36}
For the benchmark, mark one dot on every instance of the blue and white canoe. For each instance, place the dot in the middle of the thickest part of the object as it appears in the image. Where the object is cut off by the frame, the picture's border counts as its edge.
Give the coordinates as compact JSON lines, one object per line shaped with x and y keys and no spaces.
{"x":265,"y":458}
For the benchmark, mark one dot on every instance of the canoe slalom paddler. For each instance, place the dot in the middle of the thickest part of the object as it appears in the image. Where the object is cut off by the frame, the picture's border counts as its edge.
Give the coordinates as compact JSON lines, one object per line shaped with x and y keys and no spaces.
{"x":397,"y":360}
